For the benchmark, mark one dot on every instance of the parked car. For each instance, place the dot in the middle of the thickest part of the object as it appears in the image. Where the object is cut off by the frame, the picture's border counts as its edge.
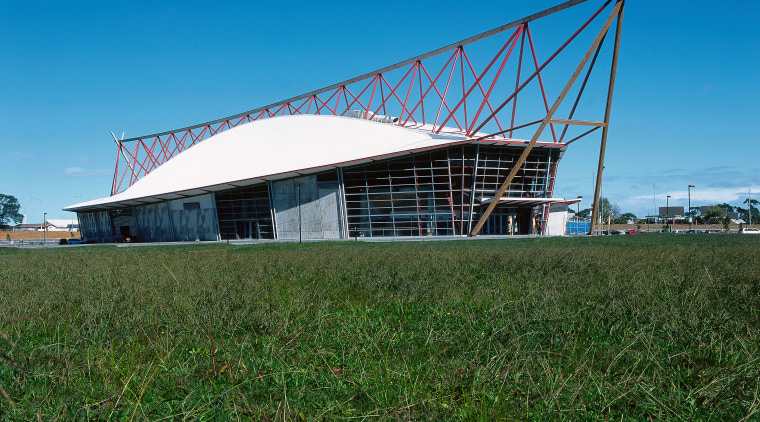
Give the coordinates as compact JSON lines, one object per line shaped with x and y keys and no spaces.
{"x":749,"y":230}
{"x":714,"y":231}
{"x":72,"y":241}
{"x":634,"y":231}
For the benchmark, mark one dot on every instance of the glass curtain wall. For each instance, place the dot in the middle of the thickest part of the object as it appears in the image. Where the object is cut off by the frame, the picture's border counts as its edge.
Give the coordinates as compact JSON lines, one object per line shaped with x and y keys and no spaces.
{"x":532,"y":181}
{"x":434,"y":193}
{"x":244,"y":213}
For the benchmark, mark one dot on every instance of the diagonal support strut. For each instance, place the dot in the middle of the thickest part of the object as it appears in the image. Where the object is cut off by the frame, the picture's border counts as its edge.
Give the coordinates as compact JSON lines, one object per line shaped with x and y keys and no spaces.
{"x":615,"y":13}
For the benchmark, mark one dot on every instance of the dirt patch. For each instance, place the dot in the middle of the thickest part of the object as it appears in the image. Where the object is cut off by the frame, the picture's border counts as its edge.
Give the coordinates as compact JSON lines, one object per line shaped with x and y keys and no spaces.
{"x":16,"y":235}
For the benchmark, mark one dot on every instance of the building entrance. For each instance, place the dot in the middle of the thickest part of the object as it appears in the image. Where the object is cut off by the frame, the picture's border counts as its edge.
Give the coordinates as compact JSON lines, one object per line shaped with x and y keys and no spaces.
{"x":507,"y":221}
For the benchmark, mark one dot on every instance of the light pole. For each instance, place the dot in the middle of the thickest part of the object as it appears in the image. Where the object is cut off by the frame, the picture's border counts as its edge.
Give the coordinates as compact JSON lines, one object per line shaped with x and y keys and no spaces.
{"x":44,"y":230}
{"x":601,"y":204}
{"x":299,"y":213}
{"x":667,"y":211}
{"x":73,"y":199}
{"x":749,"y":201}
{"x":690,"y":216}
{"x":40,"y":211}
{"x":654,"y":201}
{"x":579,"y":205}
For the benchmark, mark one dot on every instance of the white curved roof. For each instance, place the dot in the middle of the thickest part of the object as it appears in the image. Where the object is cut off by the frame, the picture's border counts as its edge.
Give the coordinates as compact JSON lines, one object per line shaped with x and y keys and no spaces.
{"x":271,"y":149}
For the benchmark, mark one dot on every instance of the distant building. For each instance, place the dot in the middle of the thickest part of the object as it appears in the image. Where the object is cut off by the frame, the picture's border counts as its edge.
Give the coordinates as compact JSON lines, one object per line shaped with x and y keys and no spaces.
{"x":672,"y":212}
{"x":28,"y":227}
{"x":62,"y":225}
{"x":49,"y":225}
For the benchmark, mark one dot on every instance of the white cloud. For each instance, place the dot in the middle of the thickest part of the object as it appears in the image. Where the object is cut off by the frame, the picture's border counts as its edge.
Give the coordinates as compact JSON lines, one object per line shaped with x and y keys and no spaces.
{"x":19,"y":154}
{"x":80,"y":172}
{"x":706,"y":195}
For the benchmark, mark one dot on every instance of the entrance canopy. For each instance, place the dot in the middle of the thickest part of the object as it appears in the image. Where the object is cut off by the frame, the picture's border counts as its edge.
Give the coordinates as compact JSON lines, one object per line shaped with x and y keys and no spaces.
{"x":524,"y":202}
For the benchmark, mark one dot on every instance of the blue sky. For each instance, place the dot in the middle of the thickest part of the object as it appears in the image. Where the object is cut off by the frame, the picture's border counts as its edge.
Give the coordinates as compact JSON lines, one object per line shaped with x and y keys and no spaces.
{"x":684,"y":108}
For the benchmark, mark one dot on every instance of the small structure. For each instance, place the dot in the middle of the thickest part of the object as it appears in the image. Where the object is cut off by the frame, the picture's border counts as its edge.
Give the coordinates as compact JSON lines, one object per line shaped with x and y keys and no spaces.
{"x":559,"y":220}
{"x":57,"y":225}
{"x":29,"y":227}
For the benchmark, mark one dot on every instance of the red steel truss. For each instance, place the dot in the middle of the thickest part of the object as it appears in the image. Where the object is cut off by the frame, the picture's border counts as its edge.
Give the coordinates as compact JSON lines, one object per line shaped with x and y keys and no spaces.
{"x":446,"y":90}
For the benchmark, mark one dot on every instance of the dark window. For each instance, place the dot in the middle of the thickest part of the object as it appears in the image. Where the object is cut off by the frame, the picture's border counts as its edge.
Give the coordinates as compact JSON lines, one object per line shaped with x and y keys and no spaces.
{"x":244,"y":213}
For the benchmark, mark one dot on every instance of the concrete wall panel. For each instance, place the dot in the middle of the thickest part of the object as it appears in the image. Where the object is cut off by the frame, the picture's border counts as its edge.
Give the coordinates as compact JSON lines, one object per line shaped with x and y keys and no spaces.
{"x":319,"y":210}
{"x":194,"y":225}
{"x":96,"y":226}
{"x":152,"y":223}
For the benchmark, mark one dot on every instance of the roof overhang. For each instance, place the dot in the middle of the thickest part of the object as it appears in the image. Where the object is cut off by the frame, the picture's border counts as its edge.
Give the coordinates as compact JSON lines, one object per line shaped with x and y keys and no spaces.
{"x":280,"y":148}
{"x":524,"y":202}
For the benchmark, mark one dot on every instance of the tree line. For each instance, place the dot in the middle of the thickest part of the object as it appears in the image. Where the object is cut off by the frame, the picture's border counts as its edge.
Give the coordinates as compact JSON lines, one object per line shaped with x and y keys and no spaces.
{"x":713,"y":215}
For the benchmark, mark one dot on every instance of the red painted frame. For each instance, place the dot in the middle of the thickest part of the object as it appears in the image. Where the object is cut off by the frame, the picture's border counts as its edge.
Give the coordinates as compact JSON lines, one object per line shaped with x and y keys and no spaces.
{"x":406,"y":99}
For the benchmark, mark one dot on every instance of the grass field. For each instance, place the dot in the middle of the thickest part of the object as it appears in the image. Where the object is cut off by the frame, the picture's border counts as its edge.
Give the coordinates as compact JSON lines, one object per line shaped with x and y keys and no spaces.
{"x":648,"y":327}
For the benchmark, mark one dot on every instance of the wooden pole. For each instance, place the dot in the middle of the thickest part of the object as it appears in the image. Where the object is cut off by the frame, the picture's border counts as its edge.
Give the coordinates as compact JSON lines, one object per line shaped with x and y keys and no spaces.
{"x":605,"y":128}
{"x":546,"y":121}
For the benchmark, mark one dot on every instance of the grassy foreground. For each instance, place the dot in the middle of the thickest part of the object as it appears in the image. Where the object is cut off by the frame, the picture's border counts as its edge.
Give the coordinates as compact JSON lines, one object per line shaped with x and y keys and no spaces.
{"x":648,"y":327}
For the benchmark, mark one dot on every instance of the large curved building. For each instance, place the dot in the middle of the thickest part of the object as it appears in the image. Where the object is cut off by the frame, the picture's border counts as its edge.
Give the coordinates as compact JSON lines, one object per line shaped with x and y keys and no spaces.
{"x":436,"y":145}
{"x":329,"y":177}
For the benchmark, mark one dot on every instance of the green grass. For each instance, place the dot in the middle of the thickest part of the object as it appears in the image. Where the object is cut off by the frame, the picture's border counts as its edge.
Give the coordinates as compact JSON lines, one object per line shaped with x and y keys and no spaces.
{"x":660,"y":327}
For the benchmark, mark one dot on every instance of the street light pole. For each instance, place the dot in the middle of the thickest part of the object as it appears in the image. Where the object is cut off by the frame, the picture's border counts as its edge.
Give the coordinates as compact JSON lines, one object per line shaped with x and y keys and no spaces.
{"x":690,"y":216}
{"x":71,"y":229}
{"x":41,"y":207}
{"x":44,"y":230}
{"x":654,"y":201}
{"x":749,"y":202}
{"x":667,"y":211}
{"x":601,"y":205}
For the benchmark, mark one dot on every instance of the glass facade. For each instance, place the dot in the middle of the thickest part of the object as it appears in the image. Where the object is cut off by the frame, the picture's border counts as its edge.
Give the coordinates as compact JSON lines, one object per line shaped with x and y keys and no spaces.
{"x":441,"y":192}
{"x":244,"y":213}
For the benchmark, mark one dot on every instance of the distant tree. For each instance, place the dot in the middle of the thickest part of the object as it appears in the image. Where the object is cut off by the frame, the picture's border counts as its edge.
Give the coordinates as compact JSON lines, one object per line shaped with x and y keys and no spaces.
{"x":606,"y":209}
{"x":693,"y":212}
{"x":624,"y":218}
{"x":610,"y":210}
{"x":9,"y":207}
{"x":744,"y":212}
{"x":726,"y":207}
{"x":755,"y":205}
{"x":713,"y":215}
